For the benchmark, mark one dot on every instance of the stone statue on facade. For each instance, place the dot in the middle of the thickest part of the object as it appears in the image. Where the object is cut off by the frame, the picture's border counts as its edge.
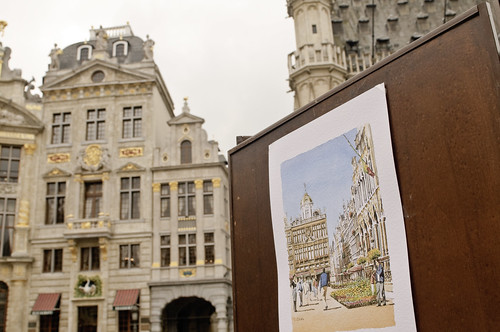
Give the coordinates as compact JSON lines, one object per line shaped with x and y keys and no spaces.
{"x":54,"y":57}
{"x":148,"y":48}
{"x":27,"y":92}
{"x":101,"y":40}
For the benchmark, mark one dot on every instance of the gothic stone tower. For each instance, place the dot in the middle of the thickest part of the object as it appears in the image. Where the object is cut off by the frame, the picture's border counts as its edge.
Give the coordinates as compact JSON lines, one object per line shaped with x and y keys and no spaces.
{"x":317,"y":65}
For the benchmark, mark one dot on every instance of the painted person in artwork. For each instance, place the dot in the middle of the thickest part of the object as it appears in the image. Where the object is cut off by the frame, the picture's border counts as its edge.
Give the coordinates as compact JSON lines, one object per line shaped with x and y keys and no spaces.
{"x":379,"y":274}
{"x":293,"y":286}
{"x":323,"y":284}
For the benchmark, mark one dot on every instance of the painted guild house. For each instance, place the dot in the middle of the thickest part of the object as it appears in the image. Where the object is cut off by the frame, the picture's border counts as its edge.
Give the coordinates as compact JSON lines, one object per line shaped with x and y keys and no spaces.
{"x":114,"y":210}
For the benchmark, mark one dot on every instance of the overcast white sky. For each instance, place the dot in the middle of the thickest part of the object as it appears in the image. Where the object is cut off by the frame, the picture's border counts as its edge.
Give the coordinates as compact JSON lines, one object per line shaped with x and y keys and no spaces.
{"x":228,"y":56}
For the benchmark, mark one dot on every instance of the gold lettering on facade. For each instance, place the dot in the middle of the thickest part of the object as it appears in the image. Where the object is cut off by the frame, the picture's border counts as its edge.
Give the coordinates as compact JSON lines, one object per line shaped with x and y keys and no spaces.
{"x":131,"y":152}
{"x":57,"y":158}
{"x":17,"y":135}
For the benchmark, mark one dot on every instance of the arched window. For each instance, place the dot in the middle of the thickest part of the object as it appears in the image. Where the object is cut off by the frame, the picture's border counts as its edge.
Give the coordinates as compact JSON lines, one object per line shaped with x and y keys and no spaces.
{"x":84,"y":52}
{"x":120,"y":48}
{"x":4,"y":292}
{"x":186,"y":152}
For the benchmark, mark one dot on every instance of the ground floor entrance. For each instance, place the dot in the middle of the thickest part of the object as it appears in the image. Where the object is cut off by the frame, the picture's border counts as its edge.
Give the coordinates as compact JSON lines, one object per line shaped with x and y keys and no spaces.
{"x":188,"y":314}
{"x":87,"y":319}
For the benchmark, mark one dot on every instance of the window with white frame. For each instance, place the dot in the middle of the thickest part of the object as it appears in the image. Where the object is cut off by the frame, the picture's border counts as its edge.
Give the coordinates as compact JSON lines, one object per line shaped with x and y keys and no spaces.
{"x":84,"y":52}
{"x":120,"y":48}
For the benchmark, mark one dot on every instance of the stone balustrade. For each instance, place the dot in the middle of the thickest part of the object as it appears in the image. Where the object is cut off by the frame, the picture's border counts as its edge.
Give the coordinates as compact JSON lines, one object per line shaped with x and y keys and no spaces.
{"x":310,"y":55}
{"x":88,"y":228}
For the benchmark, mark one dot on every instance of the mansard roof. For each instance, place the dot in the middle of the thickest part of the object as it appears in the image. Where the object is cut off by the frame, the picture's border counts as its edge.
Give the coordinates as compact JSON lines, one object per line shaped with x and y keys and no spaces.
{"x":68,"y":58}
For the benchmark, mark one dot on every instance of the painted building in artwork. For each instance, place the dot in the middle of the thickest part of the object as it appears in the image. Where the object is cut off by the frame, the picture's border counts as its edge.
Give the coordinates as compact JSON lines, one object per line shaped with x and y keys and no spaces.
{"x":307,"y":240}
{"x":362,"y":225}
{"x":114,"y":210}
{"x":337,"y":39}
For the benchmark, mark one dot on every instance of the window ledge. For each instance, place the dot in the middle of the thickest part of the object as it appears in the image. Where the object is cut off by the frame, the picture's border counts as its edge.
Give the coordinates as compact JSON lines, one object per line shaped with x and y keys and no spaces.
{"x":132,"y":139}
{"x":59,"y":145}
{"x":94,"y":142}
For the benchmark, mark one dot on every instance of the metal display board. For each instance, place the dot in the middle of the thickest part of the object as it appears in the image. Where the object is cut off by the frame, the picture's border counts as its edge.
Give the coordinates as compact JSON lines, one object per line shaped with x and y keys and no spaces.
{"x":443,"y":96}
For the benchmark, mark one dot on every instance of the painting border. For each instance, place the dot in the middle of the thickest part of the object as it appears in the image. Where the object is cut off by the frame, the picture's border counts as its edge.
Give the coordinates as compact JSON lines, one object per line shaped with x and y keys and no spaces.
{"x":369,"y":107}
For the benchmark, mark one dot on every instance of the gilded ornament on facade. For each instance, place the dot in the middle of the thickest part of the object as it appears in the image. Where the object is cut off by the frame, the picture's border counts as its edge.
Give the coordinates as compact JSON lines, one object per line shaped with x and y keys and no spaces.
{"x":29,"y":148}
{"x":156,"y":187}
{"x":216,"y":182}
{"x":186,"y":273}
{"x":57,"y":158}
{"x":93,"y":155}
{"x":131,"y":152}
{"x":103,"y":245}
{"x":55,"y":172}
{"x":198,"y":184}
{"x":24,"y":213}
{"x":130,"y":167}
{"x":173,"y":185}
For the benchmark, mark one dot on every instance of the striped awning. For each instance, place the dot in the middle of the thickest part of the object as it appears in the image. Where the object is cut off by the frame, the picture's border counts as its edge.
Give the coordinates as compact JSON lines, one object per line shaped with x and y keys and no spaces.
{"x":46,"y":304}
{"x":126,"y":299}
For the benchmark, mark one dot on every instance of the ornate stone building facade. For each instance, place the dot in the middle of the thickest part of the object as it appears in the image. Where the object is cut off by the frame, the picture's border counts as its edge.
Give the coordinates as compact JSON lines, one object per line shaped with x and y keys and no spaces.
{"x":115,"y":213}
{"x":307,"y":241}
{"x":337,"y":39}
{"x":362,"y":225}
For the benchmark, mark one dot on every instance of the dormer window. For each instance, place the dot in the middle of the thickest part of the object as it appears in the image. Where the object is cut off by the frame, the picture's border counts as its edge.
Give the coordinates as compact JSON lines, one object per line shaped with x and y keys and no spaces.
{"x":120,"y":48}
{"x":84,"y":52}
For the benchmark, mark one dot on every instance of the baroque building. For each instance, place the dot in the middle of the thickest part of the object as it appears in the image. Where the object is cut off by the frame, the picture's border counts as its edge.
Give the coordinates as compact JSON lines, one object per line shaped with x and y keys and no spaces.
{"x":362,"y":225}
{"x":307,"y":241}
{"x":114,"y":210}
{"x":337,"y":39}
